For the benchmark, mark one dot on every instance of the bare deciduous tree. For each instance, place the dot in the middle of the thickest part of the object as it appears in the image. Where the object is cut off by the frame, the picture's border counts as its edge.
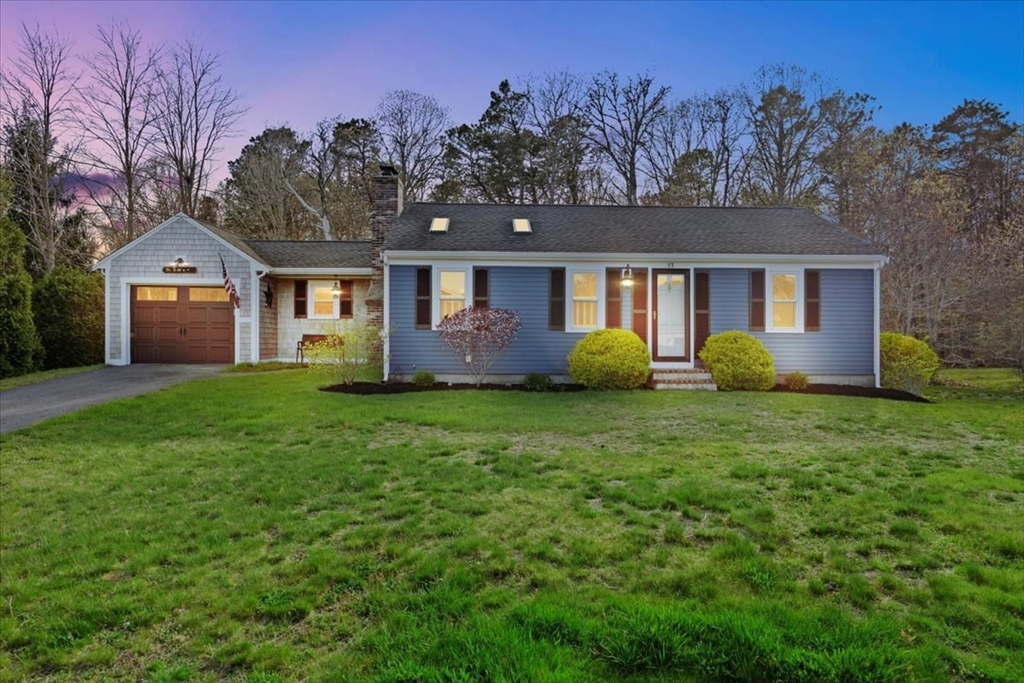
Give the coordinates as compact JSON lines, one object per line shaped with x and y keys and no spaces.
{"x":318,"y":164}
{"x":621,"y":119}
{"x":786,"y":122}
{"x":412,"y":135}
{"x":567,"y":164}
{"x":37,"y":103}
{"x":197,"y":112}
{"x":117,"y":114}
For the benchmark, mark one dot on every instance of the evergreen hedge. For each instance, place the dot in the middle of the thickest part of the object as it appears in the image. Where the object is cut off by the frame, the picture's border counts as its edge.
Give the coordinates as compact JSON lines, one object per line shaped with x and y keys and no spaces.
{"x":20,"y":350}
{"x":68,"y":308}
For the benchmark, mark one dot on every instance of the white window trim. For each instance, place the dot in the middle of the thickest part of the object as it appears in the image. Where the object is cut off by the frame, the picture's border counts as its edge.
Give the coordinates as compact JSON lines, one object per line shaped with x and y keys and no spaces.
{"x":435,"y":289}
{"x":769,"y":318}
{"x":311,"y":301}
{"x":590,"y":270}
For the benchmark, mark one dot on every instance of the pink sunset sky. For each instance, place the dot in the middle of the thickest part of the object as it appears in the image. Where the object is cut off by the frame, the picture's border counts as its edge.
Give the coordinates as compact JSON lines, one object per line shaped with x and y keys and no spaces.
{"x":297,"y":62}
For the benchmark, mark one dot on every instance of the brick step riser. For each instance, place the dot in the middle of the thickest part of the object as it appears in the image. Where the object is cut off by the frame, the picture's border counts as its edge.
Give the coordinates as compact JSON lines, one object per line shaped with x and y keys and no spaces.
{"x":666,"y":377}
{"x":685,"y":387}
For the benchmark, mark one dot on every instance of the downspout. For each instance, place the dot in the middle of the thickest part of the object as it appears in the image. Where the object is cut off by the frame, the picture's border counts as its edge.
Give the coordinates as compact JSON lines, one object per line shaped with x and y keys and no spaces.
{"x":386,"y":326}
{"x":878,"y":324}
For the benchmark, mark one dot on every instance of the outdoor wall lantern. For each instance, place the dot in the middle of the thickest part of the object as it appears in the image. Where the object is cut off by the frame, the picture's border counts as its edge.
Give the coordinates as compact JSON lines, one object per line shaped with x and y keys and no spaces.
{"x":268,"y":296}
{"x":627,"y":276}
{"x":336,"y":289}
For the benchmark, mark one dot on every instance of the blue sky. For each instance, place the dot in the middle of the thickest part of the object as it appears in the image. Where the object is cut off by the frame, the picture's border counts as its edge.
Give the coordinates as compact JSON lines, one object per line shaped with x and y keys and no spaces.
{"x":298,"y":62}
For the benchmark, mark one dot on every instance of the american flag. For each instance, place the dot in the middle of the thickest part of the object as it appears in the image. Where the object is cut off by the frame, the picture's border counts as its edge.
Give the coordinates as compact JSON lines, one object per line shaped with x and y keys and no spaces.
{"x":229,"y":286}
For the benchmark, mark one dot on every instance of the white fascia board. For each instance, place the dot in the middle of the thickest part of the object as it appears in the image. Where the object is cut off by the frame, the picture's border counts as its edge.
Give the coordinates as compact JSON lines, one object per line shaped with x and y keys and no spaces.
{"x":105,"y":261}
{"x":317,"y":272}
{"x":551,"y":259}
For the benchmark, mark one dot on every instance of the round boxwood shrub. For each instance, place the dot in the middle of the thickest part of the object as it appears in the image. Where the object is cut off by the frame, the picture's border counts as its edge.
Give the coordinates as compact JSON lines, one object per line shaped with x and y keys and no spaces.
{"x":738,"y":362}
{"x":908,"y":364}
{"x":610,"y":359}
{"x":68,"y":308}
{"x":20,"y":350}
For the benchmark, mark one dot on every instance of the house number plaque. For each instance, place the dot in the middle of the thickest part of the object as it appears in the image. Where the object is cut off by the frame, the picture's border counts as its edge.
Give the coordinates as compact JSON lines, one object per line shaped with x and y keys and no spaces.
{"x":179,"y":269}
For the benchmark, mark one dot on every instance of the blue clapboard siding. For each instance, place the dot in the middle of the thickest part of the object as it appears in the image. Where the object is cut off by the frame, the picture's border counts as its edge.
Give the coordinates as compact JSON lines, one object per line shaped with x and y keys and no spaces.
{"x":524,"y":290}
{"x":845,"y":344}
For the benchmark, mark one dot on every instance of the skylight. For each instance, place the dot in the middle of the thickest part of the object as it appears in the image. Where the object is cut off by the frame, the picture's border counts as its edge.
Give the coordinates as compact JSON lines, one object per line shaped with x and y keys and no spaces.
{"x":439,"y":225}
{"x":521,"y":225}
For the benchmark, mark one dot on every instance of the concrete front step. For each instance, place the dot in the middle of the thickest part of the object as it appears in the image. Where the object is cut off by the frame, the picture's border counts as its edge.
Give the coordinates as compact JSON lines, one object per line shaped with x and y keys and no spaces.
{"x":683,"y":379}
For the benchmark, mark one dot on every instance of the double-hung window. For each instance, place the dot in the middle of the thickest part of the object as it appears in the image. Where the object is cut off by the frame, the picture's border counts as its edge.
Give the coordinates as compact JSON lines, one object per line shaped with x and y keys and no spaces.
{"x":785,"y":294}
{"x":585,"y":288}
{"x":451,"y":292}
{"x":322,"y":302}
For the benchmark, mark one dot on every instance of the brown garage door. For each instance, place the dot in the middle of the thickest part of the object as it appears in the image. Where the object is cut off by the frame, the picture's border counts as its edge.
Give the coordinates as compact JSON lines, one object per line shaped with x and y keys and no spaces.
{"x":182,"y":325}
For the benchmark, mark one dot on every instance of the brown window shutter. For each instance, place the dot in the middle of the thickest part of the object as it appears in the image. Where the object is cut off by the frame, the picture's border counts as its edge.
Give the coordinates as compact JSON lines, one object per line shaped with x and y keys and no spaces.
{"x":757,"y":300}
{"x":812,"y":301}
{"x":556,"y":300}
{"x":640,"y":303}
{"x":423,"y":298}
{"x":481,"y":288}
{"x":613,"y":299}
{"x":301,"y":290}
{"x":345,"y":299}
{"x":701,"y":310}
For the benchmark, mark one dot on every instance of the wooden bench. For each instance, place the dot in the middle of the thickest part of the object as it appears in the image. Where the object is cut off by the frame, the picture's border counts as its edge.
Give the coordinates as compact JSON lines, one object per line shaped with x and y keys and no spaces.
{"x":306,"y":342}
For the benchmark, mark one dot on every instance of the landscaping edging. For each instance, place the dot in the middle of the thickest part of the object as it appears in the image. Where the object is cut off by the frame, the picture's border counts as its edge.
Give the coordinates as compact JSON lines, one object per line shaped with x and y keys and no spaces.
{"x":851,"y":390}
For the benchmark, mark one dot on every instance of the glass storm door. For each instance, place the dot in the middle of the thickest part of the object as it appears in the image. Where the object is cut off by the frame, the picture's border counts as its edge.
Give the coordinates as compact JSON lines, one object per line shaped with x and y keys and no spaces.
{"x":671,"y":301}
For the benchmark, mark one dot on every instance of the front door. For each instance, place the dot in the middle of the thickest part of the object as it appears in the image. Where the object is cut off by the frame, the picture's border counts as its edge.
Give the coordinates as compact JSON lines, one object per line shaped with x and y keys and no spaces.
{"x":670,"y":316}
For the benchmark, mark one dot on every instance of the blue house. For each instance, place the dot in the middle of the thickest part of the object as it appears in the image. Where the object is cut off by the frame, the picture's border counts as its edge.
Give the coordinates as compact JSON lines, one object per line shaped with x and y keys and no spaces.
{"x":674,"y":276}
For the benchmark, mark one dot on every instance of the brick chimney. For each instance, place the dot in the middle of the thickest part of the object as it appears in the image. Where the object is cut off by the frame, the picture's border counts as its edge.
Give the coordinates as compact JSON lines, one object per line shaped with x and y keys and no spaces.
{"x":385,"y":207}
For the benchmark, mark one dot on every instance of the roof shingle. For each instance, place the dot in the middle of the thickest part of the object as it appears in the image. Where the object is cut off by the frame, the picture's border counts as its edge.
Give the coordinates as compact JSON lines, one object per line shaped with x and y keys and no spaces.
{"x":313,"y":254}
{"x":623,"y":229}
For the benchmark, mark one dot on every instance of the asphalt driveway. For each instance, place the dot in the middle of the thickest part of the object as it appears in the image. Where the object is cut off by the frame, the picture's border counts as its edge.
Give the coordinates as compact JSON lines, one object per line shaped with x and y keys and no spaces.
{"x":25,"y":406}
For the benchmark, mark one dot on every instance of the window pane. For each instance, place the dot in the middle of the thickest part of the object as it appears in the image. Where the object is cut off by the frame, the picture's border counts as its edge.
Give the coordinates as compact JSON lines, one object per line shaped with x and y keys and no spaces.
{"x":453,"y":284}
{"x":449,"y":306}
{"x":156,"y":293}
{"x":584,"y":314}
{"x":784,"y":315}
{"x":207,"y":294}
{"x":584,"y":285}
{"x":784,"y":287}
{"x":325,"y":308}
{"x":322,"y":293}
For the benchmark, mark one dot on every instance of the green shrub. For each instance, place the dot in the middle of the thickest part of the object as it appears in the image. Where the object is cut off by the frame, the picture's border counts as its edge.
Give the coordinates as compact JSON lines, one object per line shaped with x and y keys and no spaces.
{"x":738,"y":362}
{"x":796,"y":381}
{"x":20,"y":350}
{"x":908,"y":364}
{"x":349,"y":351}
{"x":423,"y":378}
{"x":610,"y":359}
{"x":67,"y":305}
{"x":536,"y":381}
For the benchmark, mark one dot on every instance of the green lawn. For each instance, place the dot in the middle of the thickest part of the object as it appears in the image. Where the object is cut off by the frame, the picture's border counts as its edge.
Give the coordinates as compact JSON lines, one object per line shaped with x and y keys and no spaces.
{"x":43,"y":375}
{"x":250,"y":528}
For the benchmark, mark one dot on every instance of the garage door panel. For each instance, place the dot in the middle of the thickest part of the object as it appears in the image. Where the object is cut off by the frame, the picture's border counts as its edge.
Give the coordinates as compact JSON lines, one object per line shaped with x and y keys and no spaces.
{"x":197,"y":326}
{"x":167,"y":316}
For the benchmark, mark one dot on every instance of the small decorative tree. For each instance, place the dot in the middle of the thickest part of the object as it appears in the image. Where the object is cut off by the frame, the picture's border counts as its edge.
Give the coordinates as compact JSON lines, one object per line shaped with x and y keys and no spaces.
{"x":349,"y":351}
{"x":478,"y":336}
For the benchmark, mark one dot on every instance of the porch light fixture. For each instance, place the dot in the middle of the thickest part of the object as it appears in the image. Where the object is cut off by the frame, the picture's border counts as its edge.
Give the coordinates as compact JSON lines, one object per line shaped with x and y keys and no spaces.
{"x":627,"y":276}
{"x":336,"y":289}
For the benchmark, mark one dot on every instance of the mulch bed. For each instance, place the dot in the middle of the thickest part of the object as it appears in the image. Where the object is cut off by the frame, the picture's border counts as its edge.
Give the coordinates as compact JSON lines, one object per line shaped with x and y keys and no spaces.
{"x":848,"y":390}
{"x":378,"y":389}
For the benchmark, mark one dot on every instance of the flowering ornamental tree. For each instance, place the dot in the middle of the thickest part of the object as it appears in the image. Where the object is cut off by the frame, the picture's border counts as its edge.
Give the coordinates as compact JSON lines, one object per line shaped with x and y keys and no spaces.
{"x":478,"y":336}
